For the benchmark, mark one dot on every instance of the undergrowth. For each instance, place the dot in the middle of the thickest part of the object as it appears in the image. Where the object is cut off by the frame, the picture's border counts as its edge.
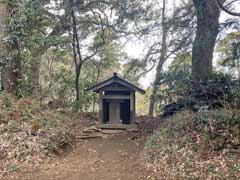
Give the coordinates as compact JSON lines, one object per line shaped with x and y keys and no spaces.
{"x":202,"y":145}
{"x":30,"y":133}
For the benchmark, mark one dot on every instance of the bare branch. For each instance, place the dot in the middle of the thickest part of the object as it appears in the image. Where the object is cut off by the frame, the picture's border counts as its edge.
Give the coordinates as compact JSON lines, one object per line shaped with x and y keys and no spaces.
{"x":226,"y":10}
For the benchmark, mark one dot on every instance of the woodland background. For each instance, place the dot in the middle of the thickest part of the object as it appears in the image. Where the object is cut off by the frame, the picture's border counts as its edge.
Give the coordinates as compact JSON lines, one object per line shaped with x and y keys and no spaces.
{"x":52,"y":50}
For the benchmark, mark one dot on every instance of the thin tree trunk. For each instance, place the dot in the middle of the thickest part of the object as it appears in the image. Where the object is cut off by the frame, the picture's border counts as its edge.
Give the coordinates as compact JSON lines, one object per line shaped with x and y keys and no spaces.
{"x":3,"y":16}
{"x":77,"y":74}
{"x":77,"y":81}
{"x":207,"y":31}
{"x":238,"y":68}
{"x":161,"y":61}
{"x":76,"y":51}
{"x":97,"y":79}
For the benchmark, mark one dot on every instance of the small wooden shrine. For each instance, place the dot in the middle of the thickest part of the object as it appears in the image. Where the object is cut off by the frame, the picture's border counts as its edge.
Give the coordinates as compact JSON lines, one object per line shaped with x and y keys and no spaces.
{"x":116,"y":100}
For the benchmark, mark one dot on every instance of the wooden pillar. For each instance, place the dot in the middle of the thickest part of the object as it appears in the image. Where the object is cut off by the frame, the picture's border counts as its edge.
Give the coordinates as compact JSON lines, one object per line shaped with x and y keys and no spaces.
{"x":100,"y":118}
{"x":132,"y":107}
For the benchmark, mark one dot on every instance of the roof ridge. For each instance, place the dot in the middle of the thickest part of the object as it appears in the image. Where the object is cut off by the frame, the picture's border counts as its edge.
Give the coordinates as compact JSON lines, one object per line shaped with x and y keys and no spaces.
{"x":113,"y":79}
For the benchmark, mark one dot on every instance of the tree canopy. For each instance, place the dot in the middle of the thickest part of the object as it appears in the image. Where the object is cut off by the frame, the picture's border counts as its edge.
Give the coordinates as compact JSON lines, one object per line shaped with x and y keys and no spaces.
{"x":52,"y":47}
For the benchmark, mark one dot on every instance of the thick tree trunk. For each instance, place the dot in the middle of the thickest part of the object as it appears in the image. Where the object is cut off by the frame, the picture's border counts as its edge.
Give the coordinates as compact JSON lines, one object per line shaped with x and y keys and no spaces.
{"x":12,"y":69}
{"x":12,"y":77}
{"x":207,"y":31}
{"x":161,"y":61}
{"x":35,"y":64}
{"x":60,"y":28}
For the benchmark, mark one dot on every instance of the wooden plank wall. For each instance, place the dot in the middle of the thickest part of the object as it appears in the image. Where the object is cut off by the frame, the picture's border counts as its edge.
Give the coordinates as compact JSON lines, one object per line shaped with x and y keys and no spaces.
{"x":100,"y":118}
{"x":132,"y":107}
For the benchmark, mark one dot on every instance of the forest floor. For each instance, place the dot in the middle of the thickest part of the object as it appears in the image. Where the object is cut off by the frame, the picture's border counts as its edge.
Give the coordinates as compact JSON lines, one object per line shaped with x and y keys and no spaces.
{"x":112,"y":157}
{"x":45,"y":144}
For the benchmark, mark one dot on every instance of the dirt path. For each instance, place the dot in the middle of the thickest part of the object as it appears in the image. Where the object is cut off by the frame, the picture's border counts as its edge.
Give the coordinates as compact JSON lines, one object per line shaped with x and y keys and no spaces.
{"x":114,"y":158}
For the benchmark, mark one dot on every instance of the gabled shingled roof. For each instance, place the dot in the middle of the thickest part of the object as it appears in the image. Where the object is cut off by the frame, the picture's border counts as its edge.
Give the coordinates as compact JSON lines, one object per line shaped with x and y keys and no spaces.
{"x":115,"y":79}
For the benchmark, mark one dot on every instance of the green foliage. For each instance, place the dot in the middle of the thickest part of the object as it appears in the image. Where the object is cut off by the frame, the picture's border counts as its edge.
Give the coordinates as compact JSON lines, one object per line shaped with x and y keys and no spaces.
{"x":108,"y":57}
{"x":220,"y":88}
{"x":134,"y":69}
{"x":175,"y":82}
{"x":13,"y":168}
{"x":142,"y":102}
{"x":229,"y":49}
{"x":178,"y":90}
{"x":26,"y":23}
{"x":26,"y":31}
{"x":13,"y":110}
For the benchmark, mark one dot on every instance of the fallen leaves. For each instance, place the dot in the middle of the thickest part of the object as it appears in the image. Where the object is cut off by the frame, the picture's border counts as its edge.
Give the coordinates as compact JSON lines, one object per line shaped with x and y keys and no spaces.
{"x":178,"y":151}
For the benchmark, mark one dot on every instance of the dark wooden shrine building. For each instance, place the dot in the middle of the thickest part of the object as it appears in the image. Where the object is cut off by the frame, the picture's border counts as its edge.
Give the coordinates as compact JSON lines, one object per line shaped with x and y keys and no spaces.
{"x":116,"y":100}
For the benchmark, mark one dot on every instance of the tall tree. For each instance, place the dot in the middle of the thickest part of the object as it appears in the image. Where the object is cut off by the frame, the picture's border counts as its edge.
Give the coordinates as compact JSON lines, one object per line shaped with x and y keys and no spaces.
{"x":227,"y":8}
{"x":176,"y":35}
{"x":162,"y":59}
{"x":207,"y":30}
{"x":229,"y":49}
{"x":10,"y":48}
{"x":3,"y":16}
{"x":91,"y":19}
{"x":47,"y":28}
{"x":78,"y":57}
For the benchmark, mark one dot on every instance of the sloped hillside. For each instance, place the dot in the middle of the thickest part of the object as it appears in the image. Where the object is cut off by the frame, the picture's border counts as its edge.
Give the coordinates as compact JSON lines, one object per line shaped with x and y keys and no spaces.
{"x":30,"y":134}
{"x":203,"y":145}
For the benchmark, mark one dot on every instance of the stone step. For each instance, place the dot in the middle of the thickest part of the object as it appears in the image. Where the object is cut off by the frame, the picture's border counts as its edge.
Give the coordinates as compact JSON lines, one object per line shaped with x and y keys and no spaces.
{"x":117,"y":126}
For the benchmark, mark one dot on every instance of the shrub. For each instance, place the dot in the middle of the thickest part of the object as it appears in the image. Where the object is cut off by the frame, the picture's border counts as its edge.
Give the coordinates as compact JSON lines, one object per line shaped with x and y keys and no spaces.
{"x":219,"y":91}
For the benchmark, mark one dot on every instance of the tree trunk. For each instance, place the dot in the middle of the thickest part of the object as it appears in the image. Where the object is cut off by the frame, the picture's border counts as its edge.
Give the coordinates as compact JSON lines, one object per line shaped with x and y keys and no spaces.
{"x":76,"y":51}
{"x":77,"y":81}
{"x":60,"y":28}
{"x":3,"y":15}
{"x":12,"y":69}
{"x":35,"y":75}
{"x":35,"y":64}
{"x":238,"y":69}
{"x":96,"y":80}
{"x":12,"y":76}
{"x":161,"y":61}
{"x":207,"y":31}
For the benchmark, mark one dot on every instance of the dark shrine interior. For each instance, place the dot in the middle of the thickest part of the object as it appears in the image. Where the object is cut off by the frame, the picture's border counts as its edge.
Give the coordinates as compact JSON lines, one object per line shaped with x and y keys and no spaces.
{"x":124,"y":106}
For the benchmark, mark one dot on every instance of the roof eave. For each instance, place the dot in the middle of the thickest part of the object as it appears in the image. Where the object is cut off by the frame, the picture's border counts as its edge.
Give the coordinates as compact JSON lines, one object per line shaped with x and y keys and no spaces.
{"x":115,"y":79}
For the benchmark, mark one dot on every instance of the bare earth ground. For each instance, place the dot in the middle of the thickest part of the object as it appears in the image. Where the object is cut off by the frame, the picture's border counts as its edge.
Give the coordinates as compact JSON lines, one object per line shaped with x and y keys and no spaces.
{"x":114,"y":158}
